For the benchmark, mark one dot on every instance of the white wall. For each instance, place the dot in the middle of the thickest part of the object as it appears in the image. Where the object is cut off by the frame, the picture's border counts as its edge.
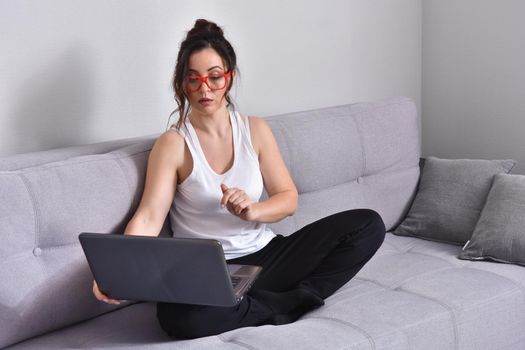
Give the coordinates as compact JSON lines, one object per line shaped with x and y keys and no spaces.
{"x":84,"y":71}
{"x":473,"y":93}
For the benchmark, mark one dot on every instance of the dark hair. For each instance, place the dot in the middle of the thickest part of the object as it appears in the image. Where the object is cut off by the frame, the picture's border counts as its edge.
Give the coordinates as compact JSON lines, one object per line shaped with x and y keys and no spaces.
{"x":204,"y":34}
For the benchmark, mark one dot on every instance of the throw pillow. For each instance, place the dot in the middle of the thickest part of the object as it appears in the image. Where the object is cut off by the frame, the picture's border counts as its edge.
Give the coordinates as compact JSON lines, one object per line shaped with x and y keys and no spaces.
{"x":500,"y":232}
{"x":450,"y":197}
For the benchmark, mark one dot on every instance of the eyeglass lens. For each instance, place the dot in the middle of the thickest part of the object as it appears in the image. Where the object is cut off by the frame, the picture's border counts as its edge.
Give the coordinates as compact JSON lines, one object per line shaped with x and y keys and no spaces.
{"x":214,"y":82}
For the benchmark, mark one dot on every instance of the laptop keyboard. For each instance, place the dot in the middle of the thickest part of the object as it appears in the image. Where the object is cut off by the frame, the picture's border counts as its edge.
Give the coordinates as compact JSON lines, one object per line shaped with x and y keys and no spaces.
{"x":235,"y":281}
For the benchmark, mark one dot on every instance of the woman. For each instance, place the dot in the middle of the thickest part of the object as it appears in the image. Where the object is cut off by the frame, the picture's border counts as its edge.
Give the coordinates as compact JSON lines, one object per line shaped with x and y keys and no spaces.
{"x":207,"y":173}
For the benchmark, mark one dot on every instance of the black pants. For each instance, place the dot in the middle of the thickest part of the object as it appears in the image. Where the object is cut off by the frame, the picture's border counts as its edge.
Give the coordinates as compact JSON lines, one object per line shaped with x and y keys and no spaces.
{"x":298,"y":271}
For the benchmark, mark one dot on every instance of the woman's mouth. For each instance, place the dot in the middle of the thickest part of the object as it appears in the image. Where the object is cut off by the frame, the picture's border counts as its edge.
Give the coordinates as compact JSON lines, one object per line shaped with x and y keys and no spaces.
{"x":205,"y":101}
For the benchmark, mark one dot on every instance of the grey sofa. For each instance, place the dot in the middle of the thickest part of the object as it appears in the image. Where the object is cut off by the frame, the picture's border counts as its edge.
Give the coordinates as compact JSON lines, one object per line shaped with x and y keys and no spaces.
{"x":413,"y":294}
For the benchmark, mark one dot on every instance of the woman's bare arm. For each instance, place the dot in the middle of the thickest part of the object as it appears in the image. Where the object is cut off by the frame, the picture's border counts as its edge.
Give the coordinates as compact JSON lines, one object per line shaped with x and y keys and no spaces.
{"x":160,"y":185}
{"x":159,"y":191}
{"x":282,"y":193}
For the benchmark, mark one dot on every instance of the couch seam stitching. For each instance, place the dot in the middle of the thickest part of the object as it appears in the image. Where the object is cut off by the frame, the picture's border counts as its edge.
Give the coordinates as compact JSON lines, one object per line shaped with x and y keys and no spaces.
{"x":61,"y":246}
{"x":237,"y":342}
{"x":447,"y":307}
{"x":405,"y":100}
{"x":46,"y":166}
{"x":36,"y":212}
{"x":121,"y":167}
{"x":409,"y":251}
{"x":349,"y":324}
{"x":468,"y":265}
{"x":399,"y":284}
{"x":353,"y":181}
{"x":516,"y":284}
{"x":362,"y":143}
{"x":292,"y":160}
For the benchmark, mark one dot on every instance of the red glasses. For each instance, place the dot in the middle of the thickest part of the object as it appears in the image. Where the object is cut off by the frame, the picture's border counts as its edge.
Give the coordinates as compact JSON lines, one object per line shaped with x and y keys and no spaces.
{"x":213,"y":81}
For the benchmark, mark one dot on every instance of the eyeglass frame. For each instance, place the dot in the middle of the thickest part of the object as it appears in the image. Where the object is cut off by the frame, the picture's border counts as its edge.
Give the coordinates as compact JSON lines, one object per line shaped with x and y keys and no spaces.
{"x":204,"y":79}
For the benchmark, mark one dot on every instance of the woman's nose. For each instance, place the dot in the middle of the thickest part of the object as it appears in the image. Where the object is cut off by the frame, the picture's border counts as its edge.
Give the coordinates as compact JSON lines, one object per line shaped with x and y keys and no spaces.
{"x":204,"y":87}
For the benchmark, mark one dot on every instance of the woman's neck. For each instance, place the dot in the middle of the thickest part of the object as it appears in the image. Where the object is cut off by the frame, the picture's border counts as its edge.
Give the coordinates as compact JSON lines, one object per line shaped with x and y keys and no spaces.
{"x":216,"y":124}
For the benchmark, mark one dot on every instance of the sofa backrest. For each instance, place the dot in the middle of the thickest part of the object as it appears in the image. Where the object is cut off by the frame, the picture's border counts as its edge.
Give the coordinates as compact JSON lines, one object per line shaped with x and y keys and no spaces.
{"x":362,"y":155}
{"x":358,"y":155}
{"x":31,"y":159}
{"x":46,"y":282}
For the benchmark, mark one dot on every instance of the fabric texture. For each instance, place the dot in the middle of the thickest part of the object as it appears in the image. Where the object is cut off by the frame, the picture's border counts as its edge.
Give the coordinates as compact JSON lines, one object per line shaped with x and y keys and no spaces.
{"x":46,"y":282}
{"x":412,"y":294}
{"x":196,"y":210}
{"x":299,"y":271}
{"x":450,"y":197}
{"x":362,"y":155}
{"x":500,"y":231}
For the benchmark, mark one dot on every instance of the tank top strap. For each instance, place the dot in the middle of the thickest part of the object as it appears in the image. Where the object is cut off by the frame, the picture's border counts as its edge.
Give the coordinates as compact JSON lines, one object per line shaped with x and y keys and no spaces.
{"x":246,"y":138}
{"x":240,"y":120}
{"x":190,"y":142}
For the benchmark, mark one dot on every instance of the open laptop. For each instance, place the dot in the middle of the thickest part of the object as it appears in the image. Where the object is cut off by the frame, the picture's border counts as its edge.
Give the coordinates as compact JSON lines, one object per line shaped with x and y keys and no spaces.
{"x":165,"y":269}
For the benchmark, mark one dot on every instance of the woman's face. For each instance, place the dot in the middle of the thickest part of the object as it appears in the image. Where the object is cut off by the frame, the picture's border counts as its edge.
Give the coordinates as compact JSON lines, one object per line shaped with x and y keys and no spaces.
{"x":202,"y":63}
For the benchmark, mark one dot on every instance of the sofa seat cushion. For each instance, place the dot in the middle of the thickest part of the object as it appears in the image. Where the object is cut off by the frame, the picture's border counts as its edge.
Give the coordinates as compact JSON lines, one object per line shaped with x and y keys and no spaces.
{"x":412,"y":294}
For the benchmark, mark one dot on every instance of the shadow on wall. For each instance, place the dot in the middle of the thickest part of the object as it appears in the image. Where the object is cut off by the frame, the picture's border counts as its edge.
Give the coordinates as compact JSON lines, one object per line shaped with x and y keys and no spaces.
{"x":55,"y":103}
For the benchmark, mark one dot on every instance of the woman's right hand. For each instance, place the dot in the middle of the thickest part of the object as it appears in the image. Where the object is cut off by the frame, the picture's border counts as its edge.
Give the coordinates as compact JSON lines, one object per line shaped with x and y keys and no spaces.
{"x":103,"y":297}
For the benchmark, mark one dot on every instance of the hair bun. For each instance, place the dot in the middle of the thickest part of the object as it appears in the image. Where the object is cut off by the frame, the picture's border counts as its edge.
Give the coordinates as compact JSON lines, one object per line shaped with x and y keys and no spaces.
{"x":205,"y":28}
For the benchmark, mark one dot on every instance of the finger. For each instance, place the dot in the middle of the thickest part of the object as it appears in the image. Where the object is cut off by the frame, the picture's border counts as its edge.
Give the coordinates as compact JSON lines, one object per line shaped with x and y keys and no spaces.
{"x":110,"y":300}
{"x":239,"y":201}
{"x":241,"y":206}
{"x":224,"y":199}
{"x":230,"y":208}
{"x":101,"y":295}
{"x":237,"y":198}
{"x":240,"y":194}
{"x":97,"y":292}
{"x":230,"y":192}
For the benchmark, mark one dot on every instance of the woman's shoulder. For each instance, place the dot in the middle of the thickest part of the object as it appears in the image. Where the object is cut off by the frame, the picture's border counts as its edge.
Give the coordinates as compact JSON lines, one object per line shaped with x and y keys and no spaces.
{"x":170,"y":143}
{"x":170,"y":136}
{"x":254,"y":122}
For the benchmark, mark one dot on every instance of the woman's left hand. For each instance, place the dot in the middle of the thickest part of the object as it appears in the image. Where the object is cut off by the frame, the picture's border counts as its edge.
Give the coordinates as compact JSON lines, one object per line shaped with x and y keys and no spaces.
{"x":237,"y":202}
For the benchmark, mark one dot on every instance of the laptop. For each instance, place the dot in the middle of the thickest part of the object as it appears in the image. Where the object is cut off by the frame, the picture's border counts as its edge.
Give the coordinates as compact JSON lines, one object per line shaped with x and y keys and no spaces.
{"x":165,"y":269}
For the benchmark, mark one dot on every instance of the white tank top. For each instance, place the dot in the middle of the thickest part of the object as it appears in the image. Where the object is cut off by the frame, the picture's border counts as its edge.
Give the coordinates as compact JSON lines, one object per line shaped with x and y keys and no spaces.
{"x":196,"y":210}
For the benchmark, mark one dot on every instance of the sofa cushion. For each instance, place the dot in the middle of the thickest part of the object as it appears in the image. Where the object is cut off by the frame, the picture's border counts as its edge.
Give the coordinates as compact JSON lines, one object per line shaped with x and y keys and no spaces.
{"x":361,"y":155}
{"x":500,"y":231}
{"x":450,"y":197}
{"x":31,"y":159}
{"x":367,"y":158}
{"x":46,"y":282}
{"x":396,"y":302}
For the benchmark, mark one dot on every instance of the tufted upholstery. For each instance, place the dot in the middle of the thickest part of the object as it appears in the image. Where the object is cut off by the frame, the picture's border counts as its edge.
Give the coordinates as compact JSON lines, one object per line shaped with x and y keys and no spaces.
{"x":411,"y":294}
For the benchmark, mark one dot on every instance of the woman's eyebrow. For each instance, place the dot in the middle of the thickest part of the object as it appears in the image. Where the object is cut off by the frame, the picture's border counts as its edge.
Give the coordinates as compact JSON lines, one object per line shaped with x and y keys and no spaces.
{"x":209,"y":69}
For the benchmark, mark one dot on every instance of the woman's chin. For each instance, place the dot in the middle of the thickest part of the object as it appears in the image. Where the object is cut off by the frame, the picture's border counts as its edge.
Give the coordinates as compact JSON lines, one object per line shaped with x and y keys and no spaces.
{"x":206,"y":109}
